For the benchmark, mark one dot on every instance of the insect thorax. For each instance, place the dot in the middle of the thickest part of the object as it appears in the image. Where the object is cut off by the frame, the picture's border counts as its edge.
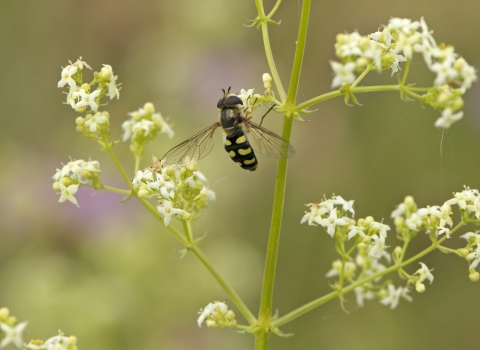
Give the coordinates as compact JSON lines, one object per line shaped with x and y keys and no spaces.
{"x":230,"y":117}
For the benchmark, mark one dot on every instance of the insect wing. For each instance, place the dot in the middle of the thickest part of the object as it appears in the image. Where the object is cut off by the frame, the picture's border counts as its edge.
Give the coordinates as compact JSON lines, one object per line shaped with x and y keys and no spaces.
{"x":192,"y":149}
{"x":266,"y":142}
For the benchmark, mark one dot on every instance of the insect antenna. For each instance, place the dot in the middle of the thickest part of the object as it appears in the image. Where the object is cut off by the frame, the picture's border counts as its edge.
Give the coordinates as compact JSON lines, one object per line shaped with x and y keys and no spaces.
{"x":224,"y":91}
{"x":261,"y":121}
{"x":229,"y":89}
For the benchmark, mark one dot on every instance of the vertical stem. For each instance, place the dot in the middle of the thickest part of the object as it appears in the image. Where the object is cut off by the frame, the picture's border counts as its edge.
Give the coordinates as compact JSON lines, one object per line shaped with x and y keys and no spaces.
{"x":261,"y":337}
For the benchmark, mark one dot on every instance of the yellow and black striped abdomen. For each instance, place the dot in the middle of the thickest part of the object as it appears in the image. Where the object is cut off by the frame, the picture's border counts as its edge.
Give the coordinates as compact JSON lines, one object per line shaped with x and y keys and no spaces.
{"x":240,"y":150}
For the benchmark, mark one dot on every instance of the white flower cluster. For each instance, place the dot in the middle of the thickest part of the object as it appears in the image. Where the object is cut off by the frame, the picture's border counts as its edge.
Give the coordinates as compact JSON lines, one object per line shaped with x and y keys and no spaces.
{"x":79,"y":96}
{"x":143,"y":126}
{"x":396,"y":43}
{"x":12,"y":333}
{"x":217,"y":315}
{"x":179,"y":191}
{"x":75,"y":173}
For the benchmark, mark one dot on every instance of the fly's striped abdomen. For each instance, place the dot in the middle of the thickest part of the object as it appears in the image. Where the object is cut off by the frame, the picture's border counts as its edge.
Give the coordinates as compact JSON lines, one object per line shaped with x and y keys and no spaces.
{"x":240,"y":150}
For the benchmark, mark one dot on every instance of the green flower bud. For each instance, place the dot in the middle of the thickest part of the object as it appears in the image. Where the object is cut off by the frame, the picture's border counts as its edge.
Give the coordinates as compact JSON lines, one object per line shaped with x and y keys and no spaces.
{"x":463,"y":252}
{"x":105,"y":74}
{"x":149,"y":108}
{"x":193,"y":166}
{"x":86,"y":87}
{"x":185,"y":216}
{"x":368,"y":220}
{"x":56,"y":186}
{"x":11,"y":321}
{"x":474,"y":276}
{"x":420,"y":287}
{"x":66,"y":181}
{"x":86,"y":174}
{"x":80,"y":121}
{"x":170,"y":171}
{"x":4,"y":313}
{"x":199,"y":185}
{"x":143,"y":194}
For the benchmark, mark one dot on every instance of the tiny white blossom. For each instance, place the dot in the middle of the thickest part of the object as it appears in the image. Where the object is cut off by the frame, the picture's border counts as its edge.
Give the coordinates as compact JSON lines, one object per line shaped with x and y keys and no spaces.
{"x":331,"y":222}
{"x":424,"y":273}
{"x":393,"y":297}
{"x":167,"y":211}
{"x":475,"y":207}
{"x":143,"y":124}
{"x":445,"y":71}
{"x":382,"y":228}
{"x":87,"y":100}
{"x":397,"y":59}
{"x":343,"y":73}
{"x":406,"y":43}
{"x":315,"y":215}
{"x":245,"y":96}
{"x":164,"y":126}
{"x":448,"y":118}
{"x":475,"y":256}
{"x":216,"y":306}
{"x":68,"y":193}
{"x":72,"y":96}
{"x":444,"y":215}
{"x":346,"y":205}
{"x":399,"y":211}
{"x":97,"y":119}
{"x":127,"y":127}
{"x":58,"y":342}
{"x":469,"y":235}
{"x":67,"y":73}
{"x":378,"y":249}
{"x":12,"y":334}
{"x":362,"y":294}
{"x":112,"y":87}
{"x":403,"y":25}
{"x":414,"y":222}
{"x":356,"y":230}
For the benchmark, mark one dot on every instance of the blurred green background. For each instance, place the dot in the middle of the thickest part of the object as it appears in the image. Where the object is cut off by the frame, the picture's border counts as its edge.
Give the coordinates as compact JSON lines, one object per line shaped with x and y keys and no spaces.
{"x":110,"y":274}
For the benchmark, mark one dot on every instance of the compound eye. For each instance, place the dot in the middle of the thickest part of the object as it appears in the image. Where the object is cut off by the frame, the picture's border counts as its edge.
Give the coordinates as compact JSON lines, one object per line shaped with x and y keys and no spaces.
{"x":221,"y":103}
{"x":233,"y":100}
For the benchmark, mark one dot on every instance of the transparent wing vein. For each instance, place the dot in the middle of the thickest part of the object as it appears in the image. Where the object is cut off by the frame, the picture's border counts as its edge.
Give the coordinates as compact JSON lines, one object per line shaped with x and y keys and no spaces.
{"x":266,"y":142}
{"x":192,"y":149}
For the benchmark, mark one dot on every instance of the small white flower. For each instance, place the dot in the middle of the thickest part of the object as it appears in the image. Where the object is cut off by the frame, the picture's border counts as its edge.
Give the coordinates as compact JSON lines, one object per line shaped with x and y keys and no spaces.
{"x":331,"y":222}
{"x":378,"y":249}
{"x":216,"y":306}
{"x":382,"y":228}
{"x":399,"y":211}
{"x":12,"y":334}
{"x":72,"y":96}
{"x":349,"y":269}
{"x":58,"y":342}
{"x":143,"y":124}
{"x":475,"y":207}
{"x":315,"y":215}
{"x":67,"y":73}
{"x":424,"y":273}
{"x":362,"y":294}
{"x":475,"y":256}
{"x":403,"y":25}
{"x":469,"y":235}
{"x":374,"y":268}
{"x":356,"y":230}
{"x":68,"y":193}
{"x":165,"y":128}
{"x":343,"y":73}
{"x":406,"y":43}
{"x":127,"y":127}
{"x":346,"y":205}
{"x":112,"y":87}
{"x":141,"y":176}
{"x":393,"y":297}
{"x":397,"y":59}
{"x":448,"y":118}
{"x":167,"y":211}
{"x":88,"y":100}
{"x":445,"y":71}
{"x":414,"y":222}
{"x":245,"y":96}
{"x":97,"y":119}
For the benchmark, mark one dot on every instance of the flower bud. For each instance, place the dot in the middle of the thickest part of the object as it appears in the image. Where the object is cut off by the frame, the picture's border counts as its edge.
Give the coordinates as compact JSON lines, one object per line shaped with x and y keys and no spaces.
{"x":170,"y":171}
{"x":398,"y":250}
{"x":463,"y":252}
{"x":4,"y":313}
{"x":72,"y":340}
{"x":56,"y":187}
{"x":149,"y":108}
{"x":86,"y":174}
{"x":66,"y":181}
{"x":80,"y":121}
{"x":143,"y":194}
{"x":230,"y":315}
{"x":185,"y":216}
{"x":420,"y":287}
{"x":192,"y":166}
{"x":85,"y":87}
{"x":367,"y":239}
{"x":267,"y":80}
{"x":210,"y":323}
{"x":474,"y":276}
{"x":199,"y":185}
{"x":106,"y":73}
{"x":368,"y":220}
{"x":11,"y":321}
{"x":457,"y":104}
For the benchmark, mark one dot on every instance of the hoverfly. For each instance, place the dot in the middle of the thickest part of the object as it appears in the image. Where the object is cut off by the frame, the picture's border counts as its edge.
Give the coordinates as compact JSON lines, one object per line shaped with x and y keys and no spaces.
{"x":242,"y":136}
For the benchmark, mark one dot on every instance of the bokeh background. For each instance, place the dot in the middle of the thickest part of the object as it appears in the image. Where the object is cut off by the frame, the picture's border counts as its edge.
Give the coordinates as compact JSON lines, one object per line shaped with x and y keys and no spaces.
{"x":110,"y":274}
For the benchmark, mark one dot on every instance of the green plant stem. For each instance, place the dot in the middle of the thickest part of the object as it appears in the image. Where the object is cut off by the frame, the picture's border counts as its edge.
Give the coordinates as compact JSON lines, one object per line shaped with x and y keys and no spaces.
{"x":405,"y":74}
{"x":262,"y":335}
{"x":109,"y":188}
{"x":275,"y":8}
{"x":322,"y":300}
{"x":137,"y":163}
{"x":234,"y":297}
